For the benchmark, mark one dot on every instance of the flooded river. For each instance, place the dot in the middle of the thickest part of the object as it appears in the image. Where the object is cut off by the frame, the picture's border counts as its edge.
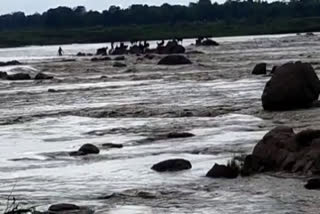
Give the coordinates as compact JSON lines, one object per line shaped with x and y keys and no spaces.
{"x":216,"y":98}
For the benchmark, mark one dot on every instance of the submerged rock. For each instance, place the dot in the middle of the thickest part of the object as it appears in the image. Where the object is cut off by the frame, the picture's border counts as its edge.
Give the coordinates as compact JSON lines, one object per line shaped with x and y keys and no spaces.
{"x":283,"y":150}
{"x":13,"y":62}
{"x":80,"y":54}
{"x":96,"y":59}
{"x":260,"y":68}
{"x":172,"y":165}
{"x":180,"y":135}
{"x":51,"y":90}
{"x":174,"y":60}
{"x":119,"y":65}
{"x":292,"y":86}
{"x":3,"y":75}
{"x":18,"y":76}
{"x":112,"y":145}
{"x":149,"y":56}
{"x":42,"y":76}
{"x":222,"y":171}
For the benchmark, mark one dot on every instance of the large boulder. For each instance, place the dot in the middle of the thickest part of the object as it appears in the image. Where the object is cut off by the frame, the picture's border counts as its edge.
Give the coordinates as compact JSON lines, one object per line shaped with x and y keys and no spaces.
{"x":259,"y":69}
{"x":313,"y":183}
{"x":293,"y":85}
{"x":281,"y":149}
{"x":209,"y":42}
{"x":222,"y":171}
{"x":174,"y":60}
{"x":172,"y":165}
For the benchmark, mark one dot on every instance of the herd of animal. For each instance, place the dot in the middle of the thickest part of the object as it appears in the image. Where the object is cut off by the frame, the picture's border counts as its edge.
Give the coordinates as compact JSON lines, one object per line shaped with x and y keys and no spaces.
{"x":173,"y":46}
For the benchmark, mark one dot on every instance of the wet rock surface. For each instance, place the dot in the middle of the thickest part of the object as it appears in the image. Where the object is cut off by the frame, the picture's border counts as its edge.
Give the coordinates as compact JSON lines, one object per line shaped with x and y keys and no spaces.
{"x":282,"y":149}
{"x":292,"y":86}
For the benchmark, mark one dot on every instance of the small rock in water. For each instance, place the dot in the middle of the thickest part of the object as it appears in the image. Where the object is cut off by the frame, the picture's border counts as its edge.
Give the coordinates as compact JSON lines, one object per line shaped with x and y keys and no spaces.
{"x":180,"y":135}
{"x":172,"y":165}
{"x":174,"y":60}
{"x":89,"y":149}
{"x":86,"y":150}
{"x":112,"y":145}
{"x":68,"y":209}
{"x":95,"y":59}
{"x":63,"y":207}
{"x":260,"y":68}
{"x":313,"y":183}
{"x":50,"y":90}
{"x":222,"y":171}
{"x":42,"y":76}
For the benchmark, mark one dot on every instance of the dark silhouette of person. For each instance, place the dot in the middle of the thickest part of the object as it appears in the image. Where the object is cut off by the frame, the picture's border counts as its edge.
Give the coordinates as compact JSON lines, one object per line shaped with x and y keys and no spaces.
{"x":60,"y":51}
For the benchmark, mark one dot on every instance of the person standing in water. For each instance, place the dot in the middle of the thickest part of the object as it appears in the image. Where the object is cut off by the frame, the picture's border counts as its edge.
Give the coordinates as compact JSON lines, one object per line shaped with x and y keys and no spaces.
{"x":60,"y":51}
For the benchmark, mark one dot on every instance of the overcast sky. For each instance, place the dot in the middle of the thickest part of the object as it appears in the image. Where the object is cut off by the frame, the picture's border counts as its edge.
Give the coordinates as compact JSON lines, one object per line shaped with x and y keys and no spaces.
{"x":32,"y":6}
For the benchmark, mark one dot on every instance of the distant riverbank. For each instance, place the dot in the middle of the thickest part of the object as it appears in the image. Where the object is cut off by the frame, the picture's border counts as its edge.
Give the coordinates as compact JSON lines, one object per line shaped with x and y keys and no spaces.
{"x":154,"y":32}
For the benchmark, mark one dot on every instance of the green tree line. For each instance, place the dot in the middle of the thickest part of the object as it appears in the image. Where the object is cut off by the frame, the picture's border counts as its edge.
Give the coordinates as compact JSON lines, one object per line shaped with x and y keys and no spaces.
{"x":254,"y":12}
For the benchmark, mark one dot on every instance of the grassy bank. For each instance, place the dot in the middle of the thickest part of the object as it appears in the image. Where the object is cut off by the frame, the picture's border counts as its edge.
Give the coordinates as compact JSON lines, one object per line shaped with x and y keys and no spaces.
{"x":154,"y":32}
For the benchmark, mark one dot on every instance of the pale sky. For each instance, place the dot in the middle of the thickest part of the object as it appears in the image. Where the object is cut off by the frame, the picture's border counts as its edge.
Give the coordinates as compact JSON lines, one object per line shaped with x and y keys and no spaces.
{"x":32,"y":6}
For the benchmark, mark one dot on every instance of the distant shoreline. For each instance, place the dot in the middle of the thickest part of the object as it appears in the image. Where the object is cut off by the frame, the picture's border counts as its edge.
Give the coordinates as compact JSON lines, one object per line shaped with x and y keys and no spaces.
{"x":40,"y":37}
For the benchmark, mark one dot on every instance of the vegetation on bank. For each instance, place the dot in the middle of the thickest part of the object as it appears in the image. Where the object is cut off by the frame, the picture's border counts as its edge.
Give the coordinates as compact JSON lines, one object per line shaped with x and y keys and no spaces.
{"x":141,"y":22}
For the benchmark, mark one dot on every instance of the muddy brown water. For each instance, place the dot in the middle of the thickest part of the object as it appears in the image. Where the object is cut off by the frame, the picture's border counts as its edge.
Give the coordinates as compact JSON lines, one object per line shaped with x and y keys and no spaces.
{"x":216,"y":98}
